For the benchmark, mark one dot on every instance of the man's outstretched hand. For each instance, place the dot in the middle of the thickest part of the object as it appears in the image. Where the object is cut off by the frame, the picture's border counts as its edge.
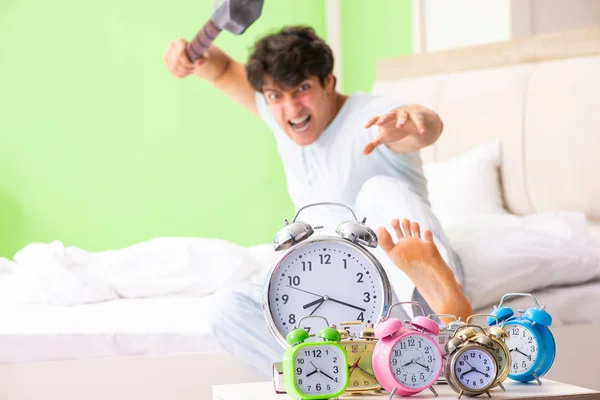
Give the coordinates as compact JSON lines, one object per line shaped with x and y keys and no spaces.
{"x":397,"y":124}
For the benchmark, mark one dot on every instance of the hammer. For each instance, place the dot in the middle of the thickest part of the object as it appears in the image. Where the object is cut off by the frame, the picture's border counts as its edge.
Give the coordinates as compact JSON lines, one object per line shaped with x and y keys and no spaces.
{"x":234,"y":16}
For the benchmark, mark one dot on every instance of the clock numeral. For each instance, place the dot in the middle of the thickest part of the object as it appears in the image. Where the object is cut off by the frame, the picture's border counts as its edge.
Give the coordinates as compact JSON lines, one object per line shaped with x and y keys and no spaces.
{"x":309,"y":386}
{"x":298,"y":371}
{"x":318,"y":387}
{"x":533,"y":349}
{"x":328,"y":387}
{"x":530,"y":340}
{"x":515,"y":331}
{"x":294,"y":280}
{"x":430,"y":359}
{"x":484,"y":361}
{"x":524,"y":364}
{"x":326,"y":258}
{"x":307,"y":329}
{"x":306,"y":264}
{"x":285,"y":298}
{"x":398,"y":371}
{"x":411,"y":342}
{"x":335,"y":369}
{"x":367,"y":298}
{"x":292,"y":319}
{"x":299,"y":381}
{"x":360,"y":317}
{"x":355,"y":383}
{"x":301,"y":361}
{"x":405,"y":376}
{"x":334,"y":359}
{"x":403,"y":345}
{"x":472,"y":354}
{"x":515,"y":366}
{"x":345,"y":263}
{"x":360,"y":276}
{"x":414,"y":379}
{"x":394,"y":361}
{"x":421,"y":376}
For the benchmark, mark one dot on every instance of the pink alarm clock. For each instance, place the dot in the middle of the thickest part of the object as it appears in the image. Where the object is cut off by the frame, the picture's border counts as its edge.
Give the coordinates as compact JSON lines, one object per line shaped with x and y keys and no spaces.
{"x":406,"y":359}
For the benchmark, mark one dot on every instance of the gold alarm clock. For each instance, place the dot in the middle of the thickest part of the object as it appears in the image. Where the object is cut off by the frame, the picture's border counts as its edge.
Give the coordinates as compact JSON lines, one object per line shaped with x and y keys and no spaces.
{"x":445,"y":333}
{"x":359,"y":349}
{"x":497,"y":335}
{"x":471,"y":368}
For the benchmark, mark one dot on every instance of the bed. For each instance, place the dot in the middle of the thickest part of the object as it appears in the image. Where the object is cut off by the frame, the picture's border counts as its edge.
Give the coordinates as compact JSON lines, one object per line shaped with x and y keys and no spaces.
{"x":548,"y":128}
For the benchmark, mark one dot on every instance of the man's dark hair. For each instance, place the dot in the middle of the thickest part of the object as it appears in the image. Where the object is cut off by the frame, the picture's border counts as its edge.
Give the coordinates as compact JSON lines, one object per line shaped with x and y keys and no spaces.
{"x":289,"y":57}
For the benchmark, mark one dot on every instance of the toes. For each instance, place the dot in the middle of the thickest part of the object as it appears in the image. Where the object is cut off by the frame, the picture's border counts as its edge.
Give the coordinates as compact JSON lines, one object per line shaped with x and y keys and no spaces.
{"x":427,"y":235}
{"x":385,"y":239}
{"x":416,"y":229}
{"x":406,"y":227}
{"x":396,"y":226}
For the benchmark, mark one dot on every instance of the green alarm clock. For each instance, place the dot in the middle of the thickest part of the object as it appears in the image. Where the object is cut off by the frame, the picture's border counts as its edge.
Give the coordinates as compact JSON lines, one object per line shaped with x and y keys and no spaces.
{"x":316,"y":369}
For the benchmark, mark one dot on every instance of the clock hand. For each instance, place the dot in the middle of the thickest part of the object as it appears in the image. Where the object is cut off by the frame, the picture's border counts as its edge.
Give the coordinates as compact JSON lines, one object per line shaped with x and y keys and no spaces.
{"x":424,"y":366}
{"x":469,"y":364}
{"x":408,"y":363}
{"x":302,"y":290}
{"x":483,"y":373}
{"x":326,"y":375}
{"x":346,"y":304}
{"x":312,"y":373}
{"x":317,"y":307}
{"x":468,"y":372}
{"x":365,"y":371}
{"x":312,"y":303}
{"x":526,"y":355}
{"x":354,"y":366}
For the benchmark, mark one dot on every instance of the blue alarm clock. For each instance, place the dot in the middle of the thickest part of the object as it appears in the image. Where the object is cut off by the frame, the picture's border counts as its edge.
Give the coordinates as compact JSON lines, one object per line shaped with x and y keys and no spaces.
{"x":530,"y":341}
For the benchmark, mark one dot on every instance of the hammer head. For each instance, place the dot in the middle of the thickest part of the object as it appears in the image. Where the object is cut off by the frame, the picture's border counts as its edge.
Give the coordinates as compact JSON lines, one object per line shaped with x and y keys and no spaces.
{"x":236,"y":16}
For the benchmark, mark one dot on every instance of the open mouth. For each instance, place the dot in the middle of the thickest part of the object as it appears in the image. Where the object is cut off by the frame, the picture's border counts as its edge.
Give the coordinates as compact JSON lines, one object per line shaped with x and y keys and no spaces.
{"x":300,"y":124}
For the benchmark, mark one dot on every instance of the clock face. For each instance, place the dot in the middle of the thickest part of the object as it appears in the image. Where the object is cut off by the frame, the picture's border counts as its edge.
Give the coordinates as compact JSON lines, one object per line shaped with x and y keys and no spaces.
{"x":523,"y":348}
{"x":360,"y":369}
{"x":320,"y":369}
{"x":415,"y":361}
{"x":500,"y":357}
{"x":442,"y":340}
{"x":329,"y":278}
{"x":475,"y":369}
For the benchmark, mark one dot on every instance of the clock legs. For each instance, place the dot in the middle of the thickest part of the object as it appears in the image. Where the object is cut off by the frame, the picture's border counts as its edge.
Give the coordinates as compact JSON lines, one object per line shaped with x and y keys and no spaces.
{"x":502,"y":387}
{"x":460,"y":394}
{"x":392,"y":393}
{"x":537,"y":378}
{"x":488,"y":393}
{"x":433,"y":390}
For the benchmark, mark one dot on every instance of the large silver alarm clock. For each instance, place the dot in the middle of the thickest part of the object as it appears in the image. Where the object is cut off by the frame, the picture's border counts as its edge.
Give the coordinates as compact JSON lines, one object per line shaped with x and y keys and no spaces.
{"x":335,"y":277}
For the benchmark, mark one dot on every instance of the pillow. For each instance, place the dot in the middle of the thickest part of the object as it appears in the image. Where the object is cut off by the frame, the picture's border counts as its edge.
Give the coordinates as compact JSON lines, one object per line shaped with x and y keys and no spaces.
{"x":508,"y":253}
{"x":466,"y":185}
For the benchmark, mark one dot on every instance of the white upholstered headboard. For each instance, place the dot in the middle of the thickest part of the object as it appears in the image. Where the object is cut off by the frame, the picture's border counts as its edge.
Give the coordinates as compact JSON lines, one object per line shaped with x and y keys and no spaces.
{"x":540,"y":95}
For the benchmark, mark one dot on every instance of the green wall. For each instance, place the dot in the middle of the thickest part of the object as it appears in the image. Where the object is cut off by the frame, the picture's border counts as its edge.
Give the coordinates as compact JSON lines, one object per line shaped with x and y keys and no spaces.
{"x":372,"y":29}
{"x":101,"y":148}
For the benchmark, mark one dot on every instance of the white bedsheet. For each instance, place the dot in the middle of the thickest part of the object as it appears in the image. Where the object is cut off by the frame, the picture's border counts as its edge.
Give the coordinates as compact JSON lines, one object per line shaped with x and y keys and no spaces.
{"x":125,"y":327}
{"x":159,"y":326}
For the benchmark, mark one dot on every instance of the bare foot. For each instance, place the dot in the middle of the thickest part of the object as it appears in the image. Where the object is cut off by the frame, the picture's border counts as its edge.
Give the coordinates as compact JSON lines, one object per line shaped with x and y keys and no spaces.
{"x":411,"y":249}
{"x":418,"y":257}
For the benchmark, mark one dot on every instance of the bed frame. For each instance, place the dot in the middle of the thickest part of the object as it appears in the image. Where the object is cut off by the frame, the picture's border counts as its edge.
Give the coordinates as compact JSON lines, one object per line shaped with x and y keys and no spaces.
{"x":539,"y":95}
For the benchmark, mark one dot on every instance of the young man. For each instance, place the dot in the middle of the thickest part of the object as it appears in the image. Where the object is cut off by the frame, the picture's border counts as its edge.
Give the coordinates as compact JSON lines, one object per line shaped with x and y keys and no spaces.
{"x":360,"y":150}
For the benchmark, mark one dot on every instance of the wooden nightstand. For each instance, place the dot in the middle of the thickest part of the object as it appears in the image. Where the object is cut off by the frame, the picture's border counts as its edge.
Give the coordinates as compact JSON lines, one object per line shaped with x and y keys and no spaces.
{"x":549,"y":390}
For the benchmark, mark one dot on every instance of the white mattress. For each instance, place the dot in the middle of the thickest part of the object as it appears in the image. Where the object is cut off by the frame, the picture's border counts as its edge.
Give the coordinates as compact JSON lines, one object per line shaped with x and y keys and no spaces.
{"x":125,"y":327}
{"x":159,"y":326}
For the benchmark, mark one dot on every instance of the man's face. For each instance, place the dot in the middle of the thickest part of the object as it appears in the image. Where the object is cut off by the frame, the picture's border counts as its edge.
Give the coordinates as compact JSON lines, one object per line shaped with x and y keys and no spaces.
{"x":303,"y":112}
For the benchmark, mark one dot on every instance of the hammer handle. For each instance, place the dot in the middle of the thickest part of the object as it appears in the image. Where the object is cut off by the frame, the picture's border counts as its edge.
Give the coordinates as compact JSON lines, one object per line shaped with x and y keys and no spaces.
{"x":202,"y":41}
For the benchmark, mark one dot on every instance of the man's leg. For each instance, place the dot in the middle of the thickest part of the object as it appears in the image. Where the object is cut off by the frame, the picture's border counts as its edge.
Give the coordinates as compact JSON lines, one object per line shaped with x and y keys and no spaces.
{"x":239,"y":325}
{"x":383,"y":198}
